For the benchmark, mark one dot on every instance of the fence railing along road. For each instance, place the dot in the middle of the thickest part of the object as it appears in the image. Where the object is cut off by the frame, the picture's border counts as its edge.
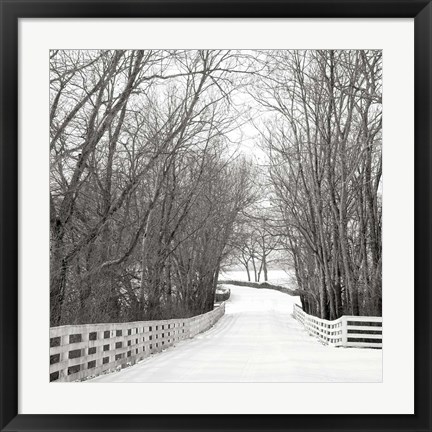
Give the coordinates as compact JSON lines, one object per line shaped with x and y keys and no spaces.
{"x":80,"y":351}
{"x":346,"y":331}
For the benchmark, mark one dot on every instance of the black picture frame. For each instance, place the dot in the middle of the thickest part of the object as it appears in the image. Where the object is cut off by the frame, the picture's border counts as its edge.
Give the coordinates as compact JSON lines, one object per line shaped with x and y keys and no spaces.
{"x":11,"y":11}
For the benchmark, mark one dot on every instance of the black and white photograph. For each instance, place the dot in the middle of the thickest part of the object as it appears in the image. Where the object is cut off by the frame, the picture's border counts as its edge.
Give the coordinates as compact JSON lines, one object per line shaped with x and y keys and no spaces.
{"x":215,"y":216}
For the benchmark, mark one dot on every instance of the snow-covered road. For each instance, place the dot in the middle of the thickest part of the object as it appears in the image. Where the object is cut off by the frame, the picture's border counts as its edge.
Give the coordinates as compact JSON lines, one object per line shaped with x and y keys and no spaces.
{"x":257,"y":340}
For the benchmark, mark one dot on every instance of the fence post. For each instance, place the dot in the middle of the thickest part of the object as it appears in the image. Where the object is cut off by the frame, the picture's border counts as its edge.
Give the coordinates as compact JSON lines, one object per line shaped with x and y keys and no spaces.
{"x":344,"y":330}
{"x":64,"y":340}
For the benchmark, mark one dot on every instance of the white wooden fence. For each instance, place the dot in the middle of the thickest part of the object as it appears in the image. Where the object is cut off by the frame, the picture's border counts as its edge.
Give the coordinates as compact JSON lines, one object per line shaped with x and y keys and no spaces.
{"x":346,"y":331}
{"x":79,"y":351}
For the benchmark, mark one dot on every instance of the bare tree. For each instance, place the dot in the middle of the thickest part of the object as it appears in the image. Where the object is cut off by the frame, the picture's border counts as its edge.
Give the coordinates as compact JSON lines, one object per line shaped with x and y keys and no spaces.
{"x":136,"y":136}
{"x":324,"y":147}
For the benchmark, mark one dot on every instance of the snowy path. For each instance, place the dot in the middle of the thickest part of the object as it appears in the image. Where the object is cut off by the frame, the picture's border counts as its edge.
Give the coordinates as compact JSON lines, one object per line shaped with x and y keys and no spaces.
{"x":256,"y":341}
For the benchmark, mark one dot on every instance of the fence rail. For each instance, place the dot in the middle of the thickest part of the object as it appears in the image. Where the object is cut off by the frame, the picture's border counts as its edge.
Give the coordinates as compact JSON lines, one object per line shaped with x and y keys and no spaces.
{"x":79,"y":351}
{"x":346,"y":331}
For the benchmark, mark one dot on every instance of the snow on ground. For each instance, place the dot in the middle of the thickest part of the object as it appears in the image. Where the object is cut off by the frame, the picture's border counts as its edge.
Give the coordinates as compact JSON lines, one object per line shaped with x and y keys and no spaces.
{"x":257,"y":340}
